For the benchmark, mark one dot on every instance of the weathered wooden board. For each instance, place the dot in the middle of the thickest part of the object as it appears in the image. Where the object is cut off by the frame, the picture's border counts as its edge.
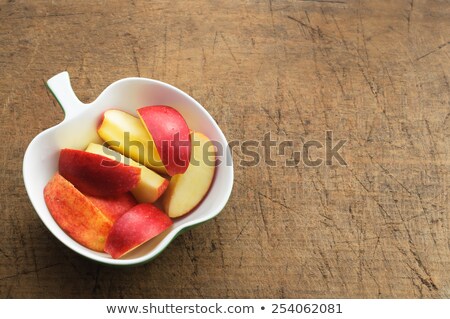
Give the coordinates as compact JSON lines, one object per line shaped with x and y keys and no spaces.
{"x":376,"y":73}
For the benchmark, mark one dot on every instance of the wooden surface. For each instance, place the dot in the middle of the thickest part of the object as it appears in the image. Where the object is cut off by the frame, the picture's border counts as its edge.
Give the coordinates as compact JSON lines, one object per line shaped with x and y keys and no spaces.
{"x":376,"y":73}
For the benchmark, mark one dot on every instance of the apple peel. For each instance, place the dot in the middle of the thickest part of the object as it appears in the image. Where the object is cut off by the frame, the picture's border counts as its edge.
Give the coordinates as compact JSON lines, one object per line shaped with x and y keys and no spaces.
{"x":140,"y":224}
{"x":97,"y":175}
{"x":170,"y":134}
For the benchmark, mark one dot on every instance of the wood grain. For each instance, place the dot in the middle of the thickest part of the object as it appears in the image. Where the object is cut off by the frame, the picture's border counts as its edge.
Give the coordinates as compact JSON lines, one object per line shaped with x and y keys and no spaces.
{"x":376,"y":73}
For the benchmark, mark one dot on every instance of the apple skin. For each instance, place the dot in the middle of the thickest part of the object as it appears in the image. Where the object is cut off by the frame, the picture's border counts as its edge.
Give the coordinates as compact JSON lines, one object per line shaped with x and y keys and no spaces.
{"x":76,"y":214}
{"x":187,"y":190}
{"x":150,"y":187}
{"x":135,"y":227}
{"x":114,"y":206}
{"x":170,"y":134}
{"x":97,"y":175}
{"x":127,"y":135}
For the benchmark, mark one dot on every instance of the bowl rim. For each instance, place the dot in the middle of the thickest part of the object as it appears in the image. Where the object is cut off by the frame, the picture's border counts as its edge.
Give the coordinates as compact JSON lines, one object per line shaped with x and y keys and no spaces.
{"x":71,"y":114}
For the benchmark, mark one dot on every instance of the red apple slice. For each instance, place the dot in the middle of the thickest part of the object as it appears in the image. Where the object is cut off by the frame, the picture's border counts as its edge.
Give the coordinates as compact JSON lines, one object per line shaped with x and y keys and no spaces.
{"x":135,"y":227}
{"x":76,"y":214}
{"x":170,"y":134}
{"x":114,"y":206}
{"x":150,"y":187}
{"x":97,"y":175}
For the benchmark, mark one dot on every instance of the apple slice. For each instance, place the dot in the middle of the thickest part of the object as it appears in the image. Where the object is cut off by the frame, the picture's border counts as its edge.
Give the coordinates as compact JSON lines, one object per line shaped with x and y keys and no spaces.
{"x":150,"y":186}
{"x":76,"y":214}
{"x":97,"y":175}
{"x":186,"y":190}
{"x":126,"y":134}
{"x":115,"y":206}
{"x":135,"y":227}
{"x":170,"y":133}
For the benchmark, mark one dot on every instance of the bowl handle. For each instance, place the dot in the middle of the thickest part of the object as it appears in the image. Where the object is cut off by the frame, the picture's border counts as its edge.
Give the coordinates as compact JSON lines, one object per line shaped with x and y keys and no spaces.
{"x":61,"y":89}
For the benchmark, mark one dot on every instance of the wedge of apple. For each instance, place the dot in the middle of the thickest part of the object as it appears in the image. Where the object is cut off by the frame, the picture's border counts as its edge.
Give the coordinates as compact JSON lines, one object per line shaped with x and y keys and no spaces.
{"x":114,"y":206}
{"x":186,"y":190}
{"x":170,"y":133}
{"x":126,"y":134}
{"x":76,"y":214}
{"x":135,"y":227}
{"x":150,"y":186}
{"x":97,"y":175}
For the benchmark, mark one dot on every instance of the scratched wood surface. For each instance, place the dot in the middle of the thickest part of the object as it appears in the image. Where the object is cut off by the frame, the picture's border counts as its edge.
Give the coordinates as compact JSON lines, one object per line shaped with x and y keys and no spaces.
{"x":375,"y":73}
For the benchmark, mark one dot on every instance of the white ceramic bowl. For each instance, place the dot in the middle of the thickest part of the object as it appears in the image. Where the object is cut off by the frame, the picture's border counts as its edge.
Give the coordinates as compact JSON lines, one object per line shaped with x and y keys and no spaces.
{"x":78,"y":129}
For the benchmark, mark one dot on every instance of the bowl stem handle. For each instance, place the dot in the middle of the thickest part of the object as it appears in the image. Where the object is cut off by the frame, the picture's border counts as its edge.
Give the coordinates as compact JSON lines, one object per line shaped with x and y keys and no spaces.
{"x":60,"y":86}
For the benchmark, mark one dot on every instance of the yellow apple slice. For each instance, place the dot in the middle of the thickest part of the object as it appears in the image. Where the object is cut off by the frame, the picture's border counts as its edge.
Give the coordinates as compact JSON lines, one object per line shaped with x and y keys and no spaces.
{"x":186,"y":190}
{"x":126,"y":134}
{"x":149,"y":188}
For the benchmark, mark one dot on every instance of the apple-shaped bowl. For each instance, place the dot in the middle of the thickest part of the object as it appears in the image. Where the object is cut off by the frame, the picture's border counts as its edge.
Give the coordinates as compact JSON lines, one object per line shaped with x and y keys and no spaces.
{"x":79,"y":128}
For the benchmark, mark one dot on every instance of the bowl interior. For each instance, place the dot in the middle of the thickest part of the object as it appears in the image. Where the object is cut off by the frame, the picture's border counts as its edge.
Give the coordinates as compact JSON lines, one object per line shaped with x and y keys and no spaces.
{"x":41,"y":158}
